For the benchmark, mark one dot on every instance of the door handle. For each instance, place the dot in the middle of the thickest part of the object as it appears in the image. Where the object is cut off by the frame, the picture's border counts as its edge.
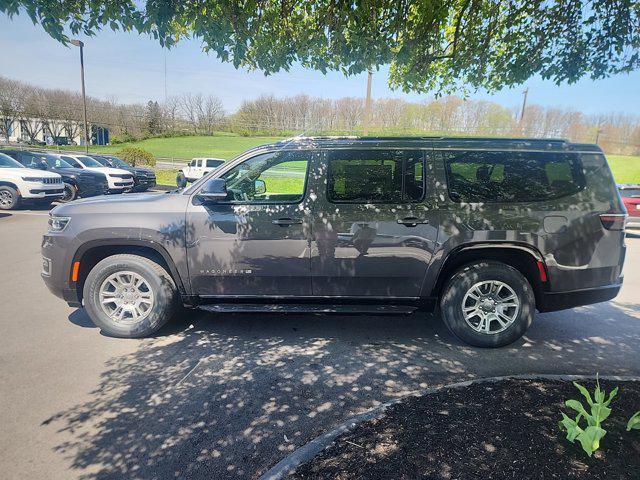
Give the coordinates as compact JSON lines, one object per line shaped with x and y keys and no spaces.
{"x":412,"y":221}
{"x":285,"y":222}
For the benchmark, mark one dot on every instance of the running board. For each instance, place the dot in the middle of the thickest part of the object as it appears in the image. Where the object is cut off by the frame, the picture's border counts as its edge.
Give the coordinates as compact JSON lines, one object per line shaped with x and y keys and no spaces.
{"x":308,"y":308}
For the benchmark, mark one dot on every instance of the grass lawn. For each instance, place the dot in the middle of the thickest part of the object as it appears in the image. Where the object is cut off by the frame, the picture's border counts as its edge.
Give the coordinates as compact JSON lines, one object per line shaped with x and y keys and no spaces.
{"x":221,"y":146}
{"x":626,"y":169}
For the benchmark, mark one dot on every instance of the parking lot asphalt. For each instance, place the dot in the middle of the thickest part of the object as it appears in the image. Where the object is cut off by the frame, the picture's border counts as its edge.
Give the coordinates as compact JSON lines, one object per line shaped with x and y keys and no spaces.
{"x":227,"y":396}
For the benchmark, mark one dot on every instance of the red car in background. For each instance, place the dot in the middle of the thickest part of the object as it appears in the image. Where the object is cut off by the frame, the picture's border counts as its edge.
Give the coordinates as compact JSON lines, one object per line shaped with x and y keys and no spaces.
{"x":630,"y":194}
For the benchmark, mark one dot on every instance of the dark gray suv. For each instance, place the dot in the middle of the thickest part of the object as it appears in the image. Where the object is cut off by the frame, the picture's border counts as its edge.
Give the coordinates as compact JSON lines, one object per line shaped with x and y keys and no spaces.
{"x":486,"y":230}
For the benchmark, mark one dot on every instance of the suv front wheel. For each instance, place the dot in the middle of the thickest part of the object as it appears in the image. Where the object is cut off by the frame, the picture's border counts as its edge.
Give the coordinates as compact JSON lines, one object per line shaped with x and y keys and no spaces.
{"x":129,"y":296}
{"x":488,"y":304}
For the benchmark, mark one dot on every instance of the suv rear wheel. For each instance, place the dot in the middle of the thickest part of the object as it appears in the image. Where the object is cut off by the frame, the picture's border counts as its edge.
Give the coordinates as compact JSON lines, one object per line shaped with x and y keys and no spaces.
{"x":488,"y":304}
{"x":129,"y":296}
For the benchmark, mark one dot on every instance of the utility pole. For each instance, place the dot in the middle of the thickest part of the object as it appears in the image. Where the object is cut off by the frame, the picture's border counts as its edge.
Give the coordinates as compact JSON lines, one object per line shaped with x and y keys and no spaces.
{"x":165,"y":77}
{"x":524,"y":105}
{"x":78,"y":43}
{"x":598,"y":132}
{"x":367,"y":106}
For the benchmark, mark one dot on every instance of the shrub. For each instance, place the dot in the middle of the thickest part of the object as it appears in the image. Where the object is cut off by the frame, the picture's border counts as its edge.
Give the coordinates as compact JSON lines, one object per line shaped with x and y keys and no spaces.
{"x":137,"y":156}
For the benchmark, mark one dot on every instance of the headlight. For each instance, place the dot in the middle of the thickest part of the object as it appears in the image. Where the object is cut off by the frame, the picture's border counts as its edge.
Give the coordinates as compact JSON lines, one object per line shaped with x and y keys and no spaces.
{"x":57,"y":224}
{"x":33,"y":179}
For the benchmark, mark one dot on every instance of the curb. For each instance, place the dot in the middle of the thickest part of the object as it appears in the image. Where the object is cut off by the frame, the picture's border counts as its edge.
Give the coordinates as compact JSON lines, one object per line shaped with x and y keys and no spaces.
{"x":308,"y":451}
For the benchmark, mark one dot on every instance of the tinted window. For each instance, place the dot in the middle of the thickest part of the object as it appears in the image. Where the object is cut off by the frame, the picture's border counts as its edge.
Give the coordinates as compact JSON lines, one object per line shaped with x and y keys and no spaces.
{"x":276,"y":177}
{"x":214,"y":163}
{"x":375,"y":176}
{"x":512,"y":176}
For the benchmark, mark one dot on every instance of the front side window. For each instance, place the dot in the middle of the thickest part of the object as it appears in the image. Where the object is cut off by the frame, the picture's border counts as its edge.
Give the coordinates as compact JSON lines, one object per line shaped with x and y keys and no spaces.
{"x":475,"y":176}
{"x":375,"y":176}
{"x":275,"y":177}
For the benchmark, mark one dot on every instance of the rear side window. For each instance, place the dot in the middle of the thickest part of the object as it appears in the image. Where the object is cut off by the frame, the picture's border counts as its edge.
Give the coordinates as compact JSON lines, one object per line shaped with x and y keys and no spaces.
{"x":512,"y":176}
{"x":375,"y":176}
{"x":214,"y":163}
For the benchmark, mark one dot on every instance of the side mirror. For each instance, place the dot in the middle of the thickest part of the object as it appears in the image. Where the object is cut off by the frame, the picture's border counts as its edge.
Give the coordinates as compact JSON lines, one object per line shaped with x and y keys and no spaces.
{"x":213,"y":189}
{"x":260,"y":187}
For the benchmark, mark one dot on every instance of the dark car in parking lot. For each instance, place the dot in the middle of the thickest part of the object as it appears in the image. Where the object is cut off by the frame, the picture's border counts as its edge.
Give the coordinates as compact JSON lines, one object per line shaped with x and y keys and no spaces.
{"x":486,"y":230}
{"x":143,"y":178}
{"x":77,"y":182}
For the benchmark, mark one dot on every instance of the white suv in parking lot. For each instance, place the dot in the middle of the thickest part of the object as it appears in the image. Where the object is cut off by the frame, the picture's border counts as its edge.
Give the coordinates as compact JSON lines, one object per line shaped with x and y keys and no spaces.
{"x":18,"y":183}
{"x":119,"y":180}
{"x":196,"y":169}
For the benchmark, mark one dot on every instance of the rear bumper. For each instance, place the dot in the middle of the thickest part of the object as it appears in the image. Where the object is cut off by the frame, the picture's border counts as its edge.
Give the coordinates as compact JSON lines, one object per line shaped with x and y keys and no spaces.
{"x":552,"y":301}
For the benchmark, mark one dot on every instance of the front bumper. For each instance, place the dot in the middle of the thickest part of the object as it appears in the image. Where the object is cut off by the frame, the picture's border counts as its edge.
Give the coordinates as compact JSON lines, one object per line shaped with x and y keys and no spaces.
{"x":553,"y":301}
{"x":56,"y":273}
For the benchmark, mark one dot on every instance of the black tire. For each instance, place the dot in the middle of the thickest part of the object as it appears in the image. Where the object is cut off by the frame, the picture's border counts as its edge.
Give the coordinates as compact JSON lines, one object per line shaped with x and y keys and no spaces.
{"x":9,"y":198}
{"x":451,"y":303}
{"x":70,"y":193}
{"x":159,"y":282}
{"x":181,"y":180}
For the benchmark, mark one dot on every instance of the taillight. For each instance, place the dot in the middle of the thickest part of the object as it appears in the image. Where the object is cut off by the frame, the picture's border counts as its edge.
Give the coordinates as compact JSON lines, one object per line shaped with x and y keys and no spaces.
{"x":613,"y":221}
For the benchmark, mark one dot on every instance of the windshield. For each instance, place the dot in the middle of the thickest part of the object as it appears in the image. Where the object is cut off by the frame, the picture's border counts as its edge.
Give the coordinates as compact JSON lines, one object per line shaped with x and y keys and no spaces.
{"x":102,"y":161}
{"x":53,"y":162}
{"x":118,"y":162}
{"x":7,"y":162}
{"x":88,"y":161}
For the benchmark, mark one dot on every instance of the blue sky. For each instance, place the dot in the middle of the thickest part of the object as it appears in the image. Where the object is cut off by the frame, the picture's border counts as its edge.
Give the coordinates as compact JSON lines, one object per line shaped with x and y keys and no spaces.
{"x":130,"y":68}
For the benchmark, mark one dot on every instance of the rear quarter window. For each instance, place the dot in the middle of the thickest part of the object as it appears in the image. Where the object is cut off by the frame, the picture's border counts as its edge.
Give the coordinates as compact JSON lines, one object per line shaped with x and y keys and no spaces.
{"x":475,"y":176}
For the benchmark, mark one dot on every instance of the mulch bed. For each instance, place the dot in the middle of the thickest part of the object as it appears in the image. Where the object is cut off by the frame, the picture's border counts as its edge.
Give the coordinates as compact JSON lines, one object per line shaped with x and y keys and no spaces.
{"x":504,"y":430}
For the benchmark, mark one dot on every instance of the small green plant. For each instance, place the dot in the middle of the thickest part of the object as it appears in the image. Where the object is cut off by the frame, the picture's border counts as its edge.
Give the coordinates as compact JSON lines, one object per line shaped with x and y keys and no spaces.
{"x":590,"y":436}
{"x":634,"y":422}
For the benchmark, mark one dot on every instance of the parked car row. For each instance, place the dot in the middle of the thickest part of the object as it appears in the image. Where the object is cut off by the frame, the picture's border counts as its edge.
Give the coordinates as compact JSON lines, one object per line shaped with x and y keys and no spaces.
{"x":72,"y":175}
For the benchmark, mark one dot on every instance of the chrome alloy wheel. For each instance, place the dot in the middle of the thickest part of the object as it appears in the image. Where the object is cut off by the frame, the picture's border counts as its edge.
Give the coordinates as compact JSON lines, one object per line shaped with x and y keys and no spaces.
{"x":6,"y":198}
{"x":490,"y":307}
{"x":126,"y":297}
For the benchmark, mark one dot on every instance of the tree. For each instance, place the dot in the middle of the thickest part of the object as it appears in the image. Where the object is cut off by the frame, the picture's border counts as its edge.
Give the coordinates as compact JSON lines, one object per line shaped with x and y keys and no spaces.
{"x":153,"y":118}
{"x":12,"y":94}
{"x":430,"y":45}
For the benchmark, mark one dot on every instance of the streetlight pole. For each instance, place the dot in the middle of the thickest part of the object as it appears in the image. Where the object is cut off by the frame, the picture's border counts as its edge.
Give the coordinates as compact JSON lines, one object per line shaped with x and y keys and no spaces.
{"x":80,"y":44}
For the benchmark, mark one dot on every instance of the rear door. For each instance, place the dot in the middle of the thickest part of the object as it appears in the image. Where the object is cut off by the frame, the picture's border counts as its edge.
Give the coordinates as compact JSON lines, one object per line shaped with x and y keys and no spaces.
{"x":374,"y":225}
{"x":255,"y":243}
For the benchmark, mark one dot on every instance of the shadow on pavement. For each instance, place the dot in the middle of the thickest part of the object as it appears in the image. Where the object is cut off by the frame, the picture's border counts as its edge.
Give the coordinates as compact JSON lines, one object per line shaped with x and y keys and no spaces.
{"x":228,"y":396}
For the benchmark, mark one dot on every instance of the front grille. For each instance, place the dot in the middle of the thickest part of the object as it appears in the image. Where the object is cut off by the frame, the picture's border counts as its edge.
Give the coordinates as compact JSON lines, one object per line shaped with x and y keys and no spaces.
{"x":122,"y":184}
{"x":46,"y":191}
{"x":51,"y":181}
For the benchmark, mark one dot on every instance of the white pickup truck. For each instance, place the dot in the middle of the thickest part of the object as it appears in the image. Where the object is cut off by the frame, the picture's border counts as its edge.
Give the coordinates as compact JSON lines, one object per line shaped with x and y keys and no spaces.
{"x":18,"y":183}
{"x":196,"y":169}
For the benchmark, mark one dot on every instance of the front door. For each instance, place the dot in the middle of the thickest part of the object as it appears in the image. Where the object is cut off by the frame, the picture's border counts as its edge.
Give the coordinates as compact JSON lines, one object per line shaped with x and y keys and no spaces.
{"x":257,"y":241}
{"x":375,"y":224}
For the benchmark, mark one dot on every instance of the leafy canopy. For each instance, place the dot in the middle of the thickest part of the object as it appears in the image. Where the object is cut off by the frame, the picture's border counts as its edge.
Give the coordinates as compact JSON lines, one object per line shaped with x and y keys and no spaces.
{"x":430,"y":45}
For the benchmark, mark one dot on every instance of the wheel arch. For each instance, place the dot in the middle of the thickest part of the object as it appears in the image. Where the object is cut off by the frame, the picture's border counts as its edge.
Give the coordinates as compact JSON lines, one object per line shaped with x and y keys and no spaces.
{"x":90,"y":253}
{"x":4,"y":183}
{"x":523,"y":258}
